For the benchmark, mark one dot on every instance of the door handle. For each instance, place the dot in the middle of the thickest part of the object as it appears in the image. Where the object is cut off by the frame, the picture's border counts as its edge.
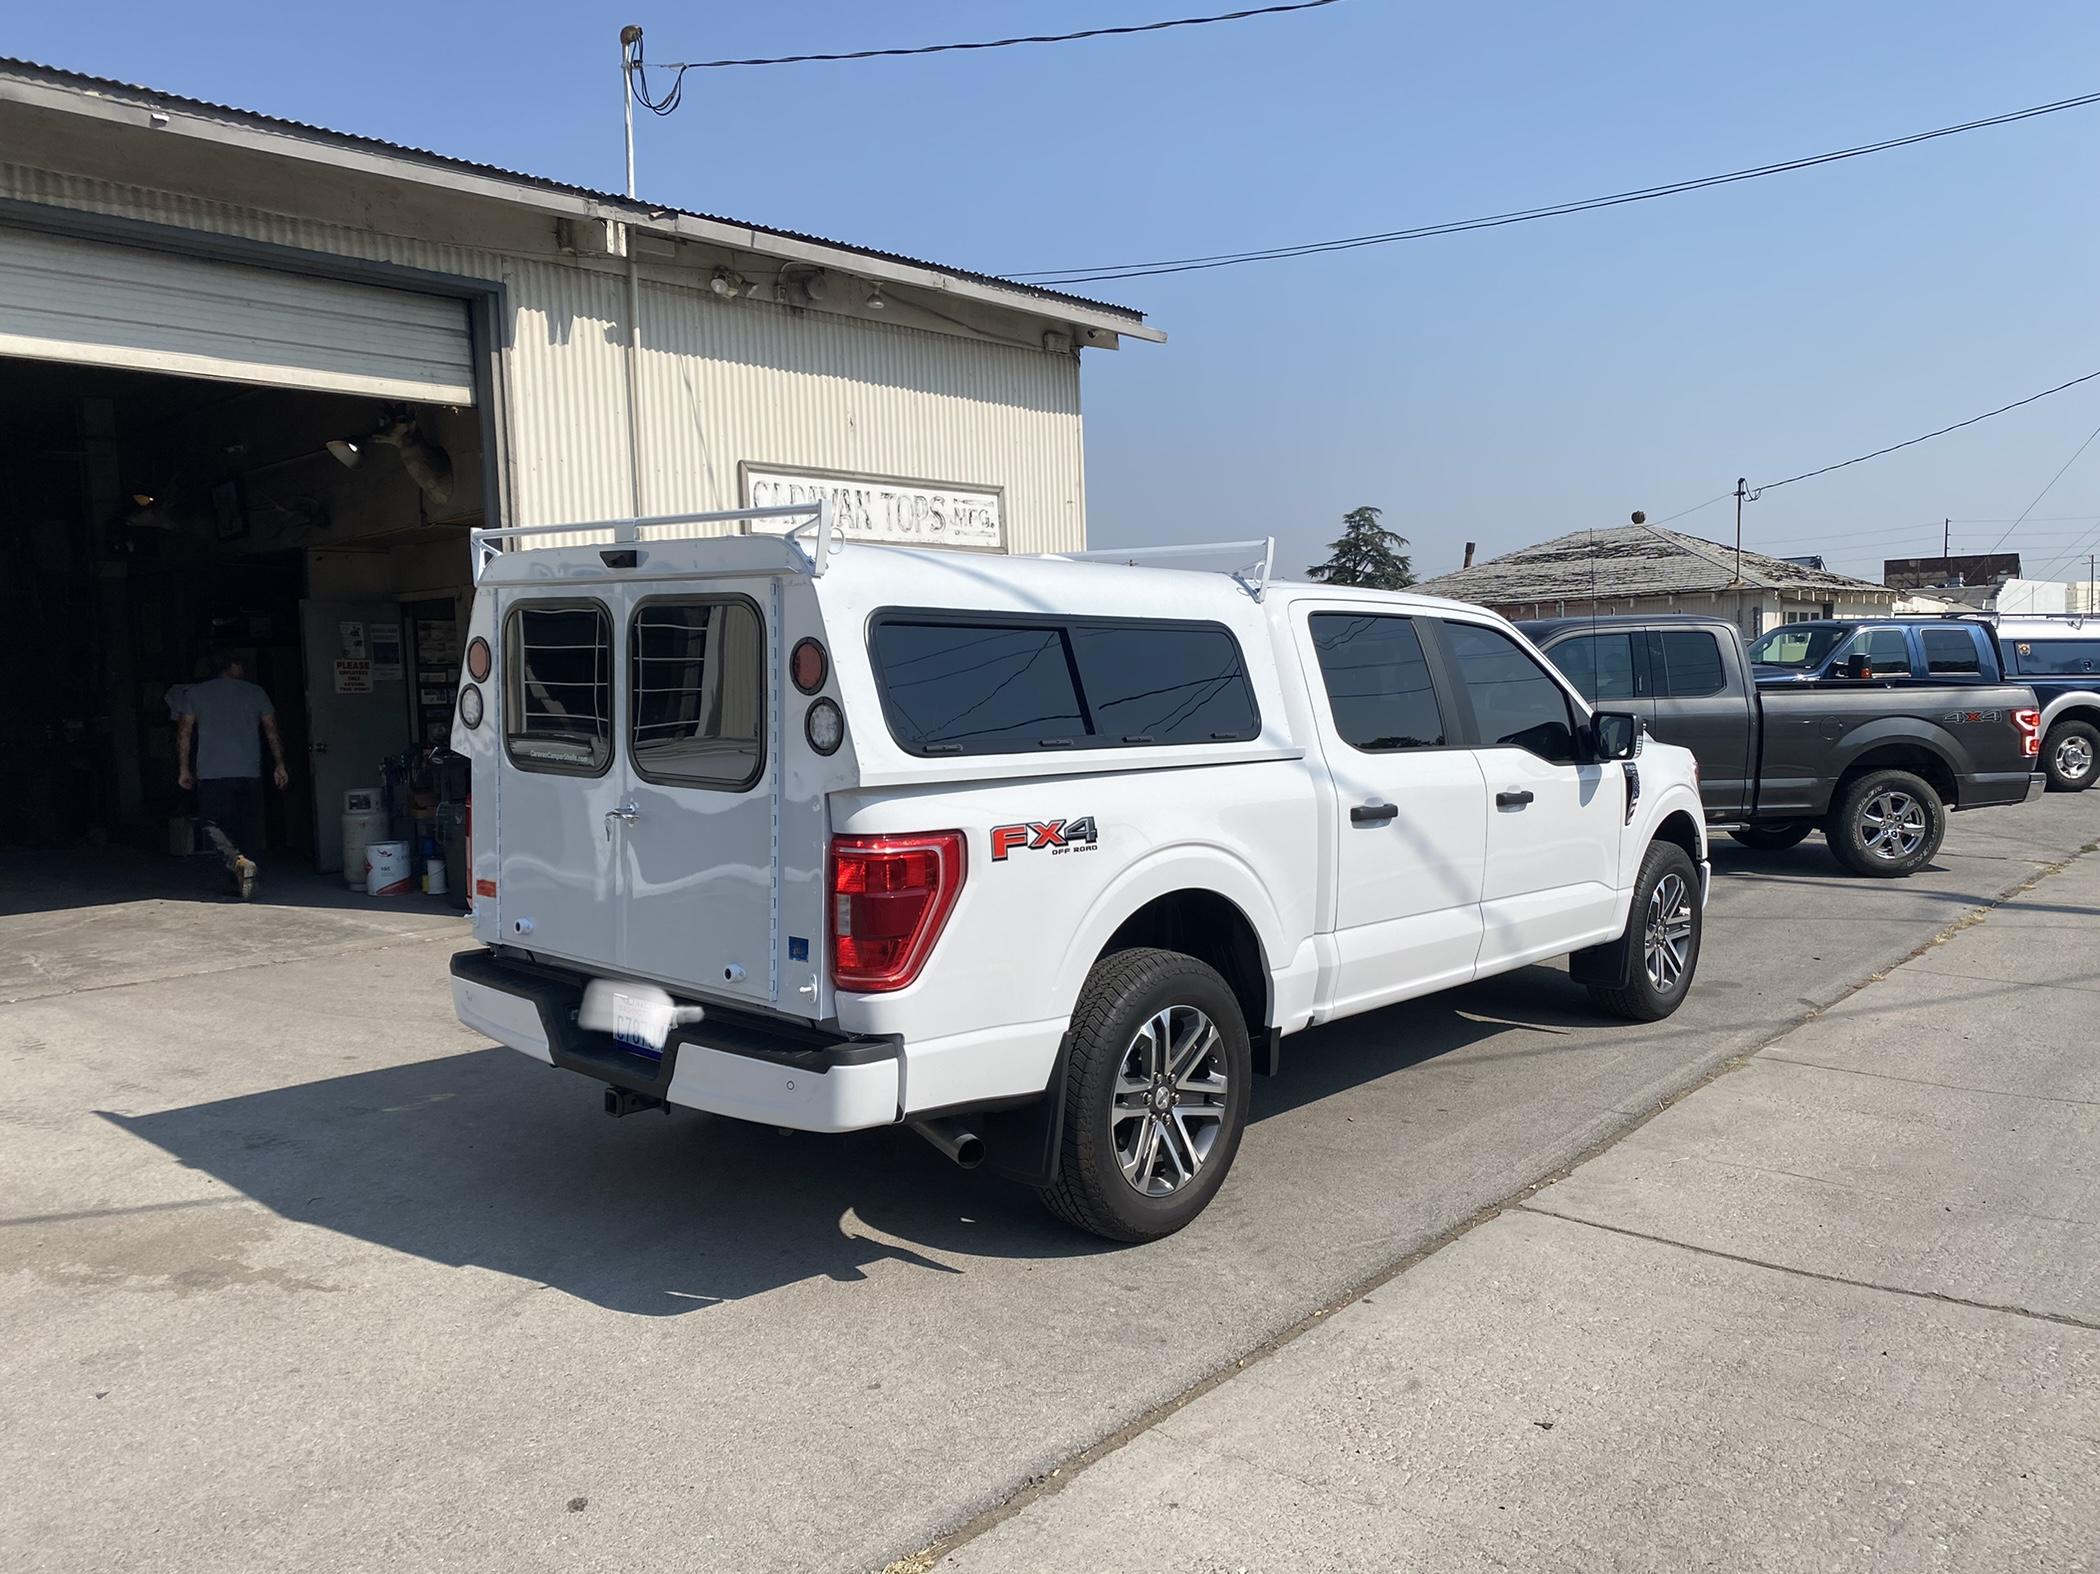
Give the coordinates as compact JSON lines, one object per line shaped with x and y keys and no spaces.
{"x":1513,"y":800}
{"x":626,"y":814}
{"x":317,"y":748}
{"x":1372,"y":813}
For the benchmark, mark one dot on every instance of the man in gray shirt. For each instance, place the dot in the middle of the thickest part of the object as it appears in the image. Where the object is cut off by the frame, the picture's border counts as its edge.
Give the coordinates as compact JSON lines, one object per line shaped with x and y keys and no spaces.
{"x":223,"y":715}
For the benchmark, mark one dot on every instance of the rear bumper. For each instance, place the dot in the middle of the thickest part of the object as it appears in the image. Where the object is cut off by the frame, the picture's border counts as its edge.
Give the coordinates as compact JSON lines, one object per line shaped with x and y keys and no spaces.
{"x":1995,"y":789}
{"x":737,"y":1063}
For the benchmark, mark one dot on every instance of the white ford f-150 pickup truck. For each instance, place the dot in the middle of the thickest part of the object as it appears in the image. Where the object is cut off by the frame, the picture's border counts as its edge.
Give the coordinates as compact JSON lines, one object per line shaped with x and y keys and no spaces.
{"x":1042,"y":856}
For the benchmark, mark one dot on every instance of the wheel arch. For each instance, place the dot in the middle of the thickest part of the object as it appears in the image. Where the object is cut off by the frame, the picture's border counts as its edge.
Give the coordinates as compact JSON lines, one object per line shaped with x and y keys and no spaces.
{"x":1916,"y":752}
{"x":2079,"y":706}
{"x":1183,"y":891}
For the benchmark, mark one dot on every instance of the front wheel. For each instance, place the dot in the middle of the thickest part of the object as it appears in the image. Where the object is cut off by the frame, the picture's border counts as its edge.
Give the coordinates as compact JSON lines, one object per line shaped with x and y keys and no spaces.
{"x":1886,"y":824}
{"x":1155,"y":1096}
{"x":1661,"y":943}
{"x":2069,"y":755}
{"x":1774,"y":838}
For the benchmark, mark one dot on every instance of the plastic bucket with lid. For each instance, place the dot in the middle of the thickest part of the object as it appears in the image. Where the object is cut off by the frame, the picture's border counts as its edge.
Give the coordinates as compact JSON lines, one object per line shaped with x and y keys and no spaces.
{"x":359,"y":829}
{"x":387,"y":869}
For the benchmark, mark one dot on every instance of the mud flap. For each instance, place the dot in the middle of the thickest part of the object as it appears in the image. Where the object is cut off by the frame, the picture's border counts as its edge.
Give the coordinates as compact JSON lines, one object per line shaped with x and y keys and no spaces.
{"x":1604,"y":965}
{"x":1025,"y":1142}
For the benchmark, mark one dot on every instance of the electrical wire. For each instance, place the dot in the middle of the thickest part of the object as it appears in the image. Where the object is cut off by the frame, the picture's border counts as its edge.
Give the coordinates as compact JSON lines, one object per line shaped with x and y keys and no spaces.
{"x":1912,"y":442}
{"x":671,"y":98}
{"x":2044,"y":492}
{"x":1136,"y":270}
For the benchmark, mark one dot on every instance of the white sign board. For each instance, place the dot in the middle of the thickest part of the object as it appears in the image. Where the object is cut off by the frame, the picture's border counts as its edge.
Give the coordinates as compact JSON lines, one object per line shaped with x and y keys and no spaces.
{"x":901,"y":513}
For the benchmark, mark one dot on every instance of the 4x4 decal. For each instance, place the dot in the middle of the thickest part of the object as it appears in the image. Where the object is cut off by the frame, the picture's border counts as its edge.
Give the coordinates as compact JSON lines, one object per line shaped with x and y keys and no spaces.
{"x":1059,"y":836}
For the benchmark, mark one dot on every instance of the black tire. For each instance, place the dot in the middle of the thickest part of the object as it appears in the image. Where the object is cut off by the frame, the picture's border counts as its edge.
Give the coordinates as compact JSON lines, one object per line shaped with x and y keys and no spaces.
{"x":1126,"y":992}
{"x":1858,"y":827}
{"x":1774,"y":838}
{"x":1644,"y":997}
{"x":2071,"y":756}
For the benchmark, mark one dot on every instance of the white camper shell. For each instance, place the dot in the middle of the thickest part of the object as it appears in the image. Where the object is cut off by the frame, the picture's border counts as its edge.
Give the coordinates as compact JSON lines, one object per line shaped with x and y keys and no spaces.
{"x":1042,"y":856}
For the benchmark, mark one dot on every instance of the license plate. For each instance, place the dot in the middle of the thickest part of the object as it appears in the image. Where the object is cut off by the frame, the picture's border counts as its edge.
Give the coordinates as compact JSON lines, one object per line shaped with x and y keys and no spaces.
{"x":638,"y":1024}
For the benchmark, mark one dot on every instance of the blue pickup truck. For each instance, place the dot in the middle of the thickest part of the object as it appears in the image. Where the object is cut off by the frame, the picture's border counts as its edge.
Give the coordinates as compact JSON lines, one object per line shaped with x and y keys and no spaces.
{"x":2056,"y":656}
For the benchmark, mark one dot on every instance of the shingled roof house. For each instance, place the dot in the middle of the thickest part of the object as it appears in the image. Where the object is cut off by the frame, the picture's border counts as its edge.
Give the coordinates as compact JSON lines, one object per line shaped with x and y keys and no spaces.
{"x":1645,"y":568}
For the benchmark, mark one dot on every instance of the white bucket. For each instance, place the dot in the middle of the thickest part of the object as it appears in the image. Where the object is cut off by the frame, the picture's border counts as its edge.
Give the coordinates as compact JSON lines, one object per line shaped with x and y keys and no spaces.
{"x":386,"y":869}
{"x":359,"y":828}
{"x":434,"y":877}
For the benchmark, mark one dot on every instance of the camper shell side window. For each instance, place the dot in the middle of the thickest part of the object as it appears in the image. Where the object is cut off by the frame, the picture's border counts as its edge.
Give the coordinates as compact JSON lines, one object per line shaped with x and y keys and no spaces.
{"x":558,"y":687}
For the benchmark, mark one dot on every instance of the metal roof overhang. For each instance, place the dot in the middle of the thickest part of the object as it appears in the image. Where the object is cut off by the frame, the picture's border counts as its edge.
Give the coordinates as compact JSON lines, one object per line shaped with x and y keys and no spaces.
{"x":164,"y":115}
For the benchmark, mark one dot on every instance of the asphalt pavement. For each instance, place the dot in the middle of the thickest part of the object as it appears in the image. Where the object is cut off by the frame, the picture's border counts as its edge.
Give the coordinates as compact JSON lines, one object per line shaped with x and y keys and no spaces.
{"x":297,"y":1272}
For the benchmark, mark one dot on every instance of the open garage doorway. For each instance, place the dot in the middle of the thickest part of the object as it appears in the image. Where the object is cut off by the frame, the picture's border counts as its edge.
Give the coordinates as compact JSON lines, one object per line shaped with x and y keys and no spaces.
{"x":148,"y":519}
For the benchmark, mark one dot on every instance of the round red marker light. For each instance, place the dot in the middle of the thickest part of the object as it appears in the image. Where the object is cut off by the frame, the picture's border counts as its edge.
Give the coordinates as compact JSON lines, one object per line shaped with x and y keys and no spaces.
{"x":808,"y":666}
{"x":478,"y":659}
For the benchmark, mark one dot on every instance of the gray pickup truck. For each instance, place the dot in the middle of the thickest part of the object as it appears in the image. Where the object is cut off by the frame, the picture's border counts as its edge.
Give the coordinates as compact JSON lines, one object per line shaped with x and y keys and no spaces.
{"x":1874,"y":762}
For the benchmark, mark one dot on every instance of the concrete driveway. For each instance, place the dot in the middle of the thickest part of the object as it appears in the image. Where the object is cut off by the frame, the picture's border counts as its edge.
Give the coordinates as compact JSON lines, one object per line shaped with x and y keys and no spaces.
{"x":295,"y":1272}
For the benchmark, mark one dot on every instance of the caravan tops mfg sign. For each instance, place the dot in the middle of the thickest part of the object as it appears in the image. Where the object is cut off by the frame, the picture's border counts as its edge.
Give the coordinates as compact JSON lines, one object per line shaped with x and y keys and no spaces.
{"x":903,"y":513}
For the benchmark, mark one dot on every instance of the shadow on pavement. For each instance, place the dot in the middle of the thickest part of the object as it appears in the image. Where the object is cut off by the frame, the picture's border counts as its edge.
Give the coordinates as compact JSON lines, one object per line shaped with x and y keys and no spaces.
{"x":47,"y":882}
{"x":486,"y":1160}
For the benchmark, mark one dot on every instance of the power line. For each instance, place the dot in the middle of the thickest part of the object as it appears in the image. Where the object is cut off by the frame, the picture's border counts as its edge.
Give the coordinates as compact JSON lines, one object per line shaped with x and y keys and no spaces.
{"x":681,"y":68}
{"x":1134,"y":270}
{"x":2044,"y":492}
{"x":1912,"y":442}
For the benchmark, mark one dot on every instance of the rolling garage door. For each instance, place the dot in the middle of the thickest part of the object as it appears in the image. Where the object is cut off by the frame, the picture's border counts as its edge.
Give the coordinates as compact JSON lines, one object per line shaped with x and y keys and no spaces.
{"x":97,"y":304}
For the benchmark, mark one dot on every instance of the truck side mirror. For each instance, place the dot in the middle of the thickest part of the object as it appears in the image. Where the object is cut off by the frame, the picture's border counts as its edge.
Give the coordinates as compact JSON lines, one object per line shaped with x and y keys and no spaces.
{"x":1614,"y":735}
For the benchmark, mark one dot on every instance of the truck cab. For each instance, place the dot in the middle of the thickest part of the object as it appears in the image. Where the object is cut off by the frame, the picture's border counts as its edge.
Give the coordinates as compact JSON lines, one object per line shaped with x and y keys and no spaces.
{"x":1938,"y":650}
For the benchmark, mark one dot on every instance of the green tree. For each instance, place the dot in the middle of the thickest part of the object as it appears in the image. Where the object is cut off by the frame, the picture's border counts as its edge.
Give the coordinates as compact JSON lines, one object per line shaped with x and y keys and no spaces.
{"x":1367,"y":554}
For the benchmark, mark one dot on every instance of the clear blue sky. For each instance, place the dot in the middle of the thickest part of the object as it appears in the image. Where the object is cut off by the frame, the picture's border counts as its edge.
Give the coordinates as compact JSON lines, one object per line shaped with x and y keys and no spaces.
{"x":1501,"y":387}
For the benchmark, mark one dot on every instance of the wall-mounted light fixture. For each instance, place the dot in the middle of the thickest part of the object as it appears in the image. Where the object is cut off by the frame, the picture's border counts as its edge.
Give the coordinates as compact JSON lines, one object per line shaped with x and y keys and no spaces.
{"x":875,"y":301}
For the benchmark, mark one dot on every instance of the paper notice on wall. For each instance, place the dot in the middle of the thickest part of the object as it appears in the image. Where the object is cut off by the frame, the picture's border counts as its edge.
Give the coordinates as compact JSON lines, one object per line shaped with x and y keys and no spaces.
{"x":353,"y":677}
{"x":350,"y":641}
{"x":384,"y":640}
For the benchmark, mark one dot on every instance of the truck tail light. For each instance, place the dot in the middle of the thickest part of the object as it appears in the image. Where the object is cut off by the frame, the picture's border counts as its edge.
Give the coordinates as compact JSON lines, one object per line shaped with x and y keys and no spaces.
{"x":2030,"y":724}
{"x":890,"y":898}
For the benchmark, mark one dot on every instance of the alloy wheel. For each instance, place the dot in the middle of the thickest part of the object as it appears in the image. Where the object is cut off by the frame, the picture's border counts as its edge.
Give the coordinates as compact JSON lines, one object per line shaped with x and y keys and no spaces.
{"x":1169,"y":1104}
{"x":1892,"y":825}
{"x":1667,"y":945}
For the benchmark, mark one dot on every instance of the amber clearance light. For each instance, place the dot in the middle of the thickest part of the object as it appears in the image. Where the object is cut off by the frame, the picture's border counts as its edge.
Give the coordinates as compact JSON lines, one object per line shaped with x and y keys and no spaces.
{"x":478,"y":659}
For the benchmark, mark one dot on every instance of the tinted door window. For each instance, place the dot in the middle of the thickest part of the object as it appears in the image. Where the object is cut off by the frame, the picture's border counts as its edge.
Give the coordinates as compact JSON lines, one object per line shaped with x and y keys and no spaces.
{"x":1951,"y":651}
{"x":1163,"y":683}
{"x":1886,"y":650}
{"x":2057,"y":658}
{"x":1514,"y":702}
{"x":1599,"y":665}
{"x":698,"y":697}
{"x":1688,"y":663}
{"x":1377,"y":679}
{"x":557,"y":688}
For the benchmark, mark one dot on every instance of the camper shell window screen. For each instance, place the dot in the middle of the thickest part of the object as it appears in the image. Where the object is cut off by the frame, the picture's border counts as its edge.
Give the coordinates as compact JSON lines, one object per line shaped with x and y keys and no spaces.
{"x":557,"y":687}
{"x":697,"y":702}
{"x":990,"y":684}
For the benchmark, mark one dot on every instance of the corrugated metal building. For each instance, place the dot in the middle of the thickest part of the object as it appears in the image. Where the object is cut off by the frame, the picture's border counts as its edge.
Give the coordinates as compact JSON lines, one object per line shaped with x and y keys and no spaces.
{"x":237,"y":350}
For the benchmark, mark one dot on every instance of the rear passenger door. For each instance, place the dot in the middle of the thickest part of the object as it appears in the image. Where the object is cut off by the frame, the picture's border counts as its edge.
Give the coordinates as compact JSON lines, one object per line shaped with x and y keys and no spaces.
{"x":1550,"y":878}
{"x":1696,"y":706}
{"x":1411,"y":808}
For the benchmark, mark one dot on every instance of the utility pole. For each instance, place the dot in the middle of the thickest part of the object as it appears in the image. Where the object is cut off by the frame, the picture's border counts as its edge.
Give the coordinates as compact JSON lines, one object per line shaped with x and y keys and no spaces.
{"x":630,"y":35}
{"x":1946,"y":550}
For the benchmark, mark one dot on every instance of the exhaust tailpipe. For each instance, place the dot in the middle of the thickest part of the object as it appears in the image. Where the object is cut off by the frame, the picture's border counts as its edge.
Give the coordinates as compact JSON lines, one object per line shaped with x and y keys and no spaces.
{"x":953,"y":1138}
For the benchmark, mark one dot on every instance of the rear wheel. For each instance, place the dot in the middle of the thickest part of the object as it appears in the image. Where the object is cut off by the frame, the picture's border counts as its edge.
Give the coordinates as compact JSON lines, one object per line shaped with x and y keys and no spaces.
{"x":2070,"y":754}
{"x":1155,"y":1096}
{"x":1774,"y":838}
{"x":1886,"y":824}
{"x":1661,"y":943}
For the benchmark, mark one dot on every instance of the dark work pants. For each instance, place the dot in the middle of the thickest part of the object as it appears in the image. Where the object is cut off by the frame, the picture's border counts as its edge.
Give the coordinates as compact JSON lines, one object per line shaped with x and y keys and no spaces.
{"x":231,"y":808}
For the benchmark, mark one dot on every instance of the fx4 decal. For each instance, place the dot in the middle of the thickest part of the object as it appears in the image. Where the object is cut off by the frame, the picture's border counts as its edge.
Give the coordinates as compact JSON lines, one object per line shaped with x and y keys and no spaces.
{"x":1059,"y":836}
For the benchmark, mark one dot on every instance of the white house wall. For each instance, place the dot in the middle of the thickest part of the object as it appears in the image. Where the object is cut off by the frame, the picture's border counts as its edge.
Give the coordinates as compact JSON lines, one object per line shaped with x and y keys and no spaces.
{"x":723,"y":382}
